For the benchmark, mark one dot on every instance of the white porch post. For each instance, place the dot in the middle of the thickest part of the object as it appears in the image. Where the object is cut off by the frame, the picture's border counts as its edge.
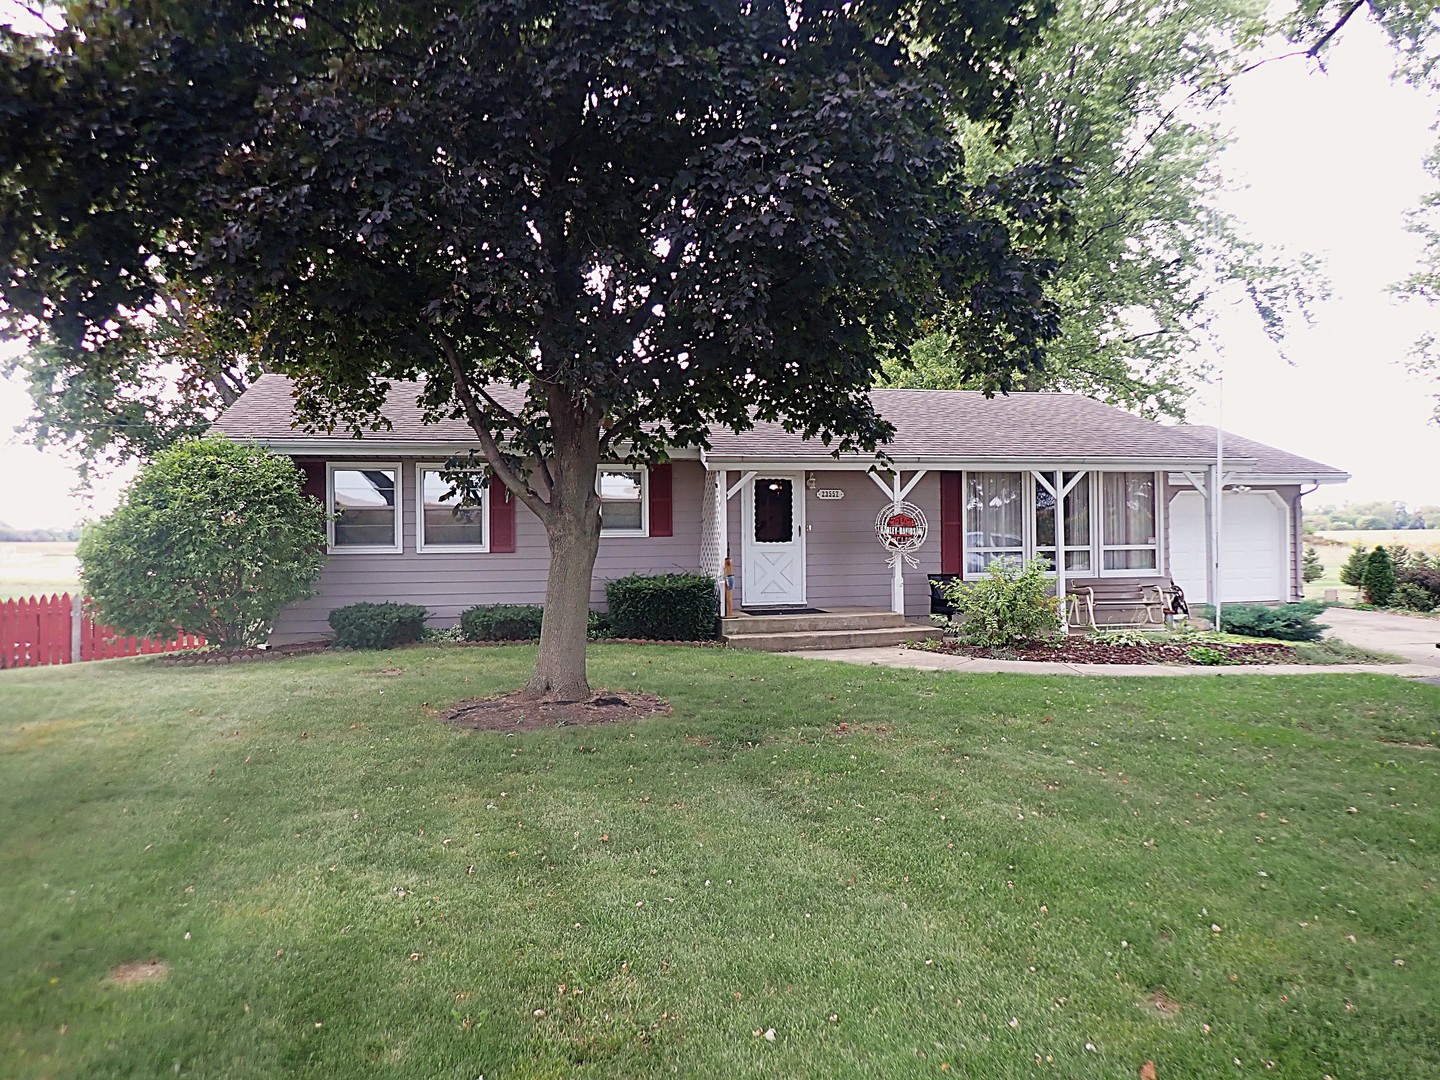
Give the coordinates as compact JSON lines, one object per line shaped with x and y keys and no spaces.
{"x":1212,"y":540}
{"x":722,"y":524}
{"x":1059,"y":493}
{"x":897,"y":578}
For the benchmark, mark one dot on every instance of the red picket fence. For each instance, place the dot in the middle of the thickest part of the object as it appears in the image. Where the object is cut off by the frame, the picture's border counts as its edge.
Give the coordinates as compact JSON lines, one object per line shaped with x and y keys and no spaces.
{"x":41,"y":630}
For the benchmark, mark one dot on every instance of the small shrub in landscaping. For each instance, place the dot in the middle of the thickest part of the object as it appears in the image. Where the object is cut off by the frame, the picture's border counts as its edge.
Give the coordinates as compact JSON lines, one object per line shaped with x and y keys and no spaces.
{"x":597,"y":626}
{"x":1288,"y":622}
{"x":662,"y":607}
{"x":441,"y":635}
{"x":1208,"y":656}
{"x":1427,"y":578}
{"x":1311,"y":568}
{"x":501,"y":622}
{"x":1379,"y":580}
{"x":1010,"y":605}
{"x":1353,"y":569}
{"x":1413,"y":597}
{"x":377,"y":626}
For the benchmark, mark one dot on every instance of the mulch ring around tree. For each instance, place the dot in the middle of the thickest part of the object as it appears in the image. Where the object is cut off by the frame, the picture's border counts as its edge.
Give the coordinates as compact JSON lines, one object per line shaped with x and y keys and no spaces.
{"x":519,"y":712}
{"x":1083,"y":651}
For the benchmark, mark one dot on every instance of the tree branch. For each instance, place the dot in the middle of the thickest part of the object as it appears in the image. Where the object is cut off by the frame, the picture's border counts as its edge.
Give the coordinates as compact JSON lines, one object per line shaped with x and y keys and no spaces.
{"x":1314,"y":50}
{"x":512,"y":480}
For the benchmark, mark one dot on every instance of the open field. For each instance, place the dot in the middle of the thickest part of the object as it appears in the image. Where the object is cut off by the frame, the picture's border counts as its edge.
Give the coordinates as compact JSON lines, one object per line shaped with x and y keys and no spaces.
{"x":808,"y":870}
{"x":36,"y":569}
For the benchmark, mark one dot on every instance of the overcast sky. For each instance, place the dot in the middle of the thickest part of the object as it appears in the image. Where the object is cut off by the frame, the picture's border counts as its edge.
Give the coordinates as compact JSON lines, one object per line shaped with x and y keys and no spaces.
{"x":1321,"y":161}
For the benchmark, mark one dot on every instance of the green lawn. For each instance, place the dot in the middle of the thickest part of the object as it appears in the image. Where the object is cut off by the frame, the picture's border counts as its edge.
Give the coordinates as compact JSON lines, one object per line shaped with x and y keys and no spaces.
{"x":992,"y":876}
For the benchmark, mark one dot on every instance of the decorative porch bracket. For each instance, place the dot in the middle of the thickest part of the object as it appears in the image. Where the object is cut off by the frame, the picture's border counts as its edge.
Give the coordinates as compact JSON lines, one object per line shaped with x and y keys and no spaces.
{"x":896,"y":493}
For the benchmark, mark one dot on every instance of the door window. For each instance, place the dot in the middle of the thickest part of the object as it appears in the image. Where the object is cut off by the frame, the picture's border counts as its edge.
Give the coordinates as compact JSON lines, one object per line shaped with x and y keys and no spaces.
{"x":774,"y":510}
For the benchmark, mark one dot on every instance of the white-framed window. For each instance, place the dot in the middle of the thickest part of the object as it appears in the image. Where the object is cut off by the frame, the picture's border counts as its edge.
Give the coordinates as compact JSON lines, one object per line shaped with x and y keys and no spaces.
{"x":363,"y":500}
{"x":1079,"y":554}
{"x":440,"y":524}
{"x":1129,"y":523}
{"x":624,"y":500}
{"x":994,"y":519}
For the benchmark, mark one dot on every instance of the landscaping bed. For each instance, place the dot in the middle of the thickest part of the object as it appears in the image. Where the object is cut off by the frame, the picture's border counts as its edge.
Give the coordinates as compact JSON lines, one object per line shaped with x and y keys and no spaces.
{"x":1090,"y":651}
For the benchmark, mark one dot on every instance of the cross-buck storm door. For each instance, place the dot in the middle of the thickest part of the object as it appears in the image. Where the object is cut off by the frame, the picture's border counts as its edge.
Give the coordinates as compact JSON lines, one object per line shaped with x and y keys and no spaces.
{"x":772,"y":550}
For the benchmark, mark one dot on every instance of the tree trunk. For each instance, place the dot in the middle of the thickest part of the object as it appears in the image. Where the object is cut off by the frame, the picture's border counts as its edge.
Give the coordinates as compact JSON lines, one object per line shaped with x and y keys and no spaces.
{"x":573,"y":529}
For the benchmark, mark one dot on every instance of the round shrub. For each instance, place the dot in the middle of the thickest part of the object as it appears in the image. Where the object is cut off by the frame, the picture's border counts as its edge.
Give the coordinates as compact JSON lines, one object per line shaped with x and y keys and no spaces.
{"x":501,"y":622}
{"x":1010,"y":605}
{"x":212,"y":538}
{"x":1413,"y":597}
{"x":377,"y":626}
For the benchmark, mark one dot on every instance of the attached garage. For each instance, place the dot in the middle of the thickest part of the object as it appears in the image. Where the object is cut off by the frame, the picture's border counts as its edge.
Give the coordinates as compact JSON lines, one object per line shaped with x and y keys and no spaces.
{"x":1254,"y":552}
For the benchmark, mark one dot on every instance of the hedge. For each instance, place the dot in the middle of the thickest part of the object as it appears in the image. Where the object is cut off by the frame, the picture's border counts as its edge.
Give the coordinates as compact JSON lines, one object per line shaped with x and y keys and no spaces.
{"x":377,"y":626}
{"x":501,"y":622}
{"x":662,"y":607}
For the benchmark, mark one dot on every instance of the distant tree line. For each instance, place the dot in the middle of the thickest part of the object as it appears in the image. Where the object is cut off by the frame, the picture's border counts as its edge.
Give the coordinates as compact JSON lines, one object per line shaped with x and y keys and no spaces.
{"x":1371,"y":515}
{"x":10,"y":534}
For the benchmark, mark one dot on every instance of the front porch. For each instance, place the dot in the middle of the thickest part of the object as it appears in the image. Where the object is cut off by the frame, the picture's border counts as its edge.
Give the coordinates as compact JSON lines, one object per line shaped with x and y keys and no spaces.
{"x":835,"y":628}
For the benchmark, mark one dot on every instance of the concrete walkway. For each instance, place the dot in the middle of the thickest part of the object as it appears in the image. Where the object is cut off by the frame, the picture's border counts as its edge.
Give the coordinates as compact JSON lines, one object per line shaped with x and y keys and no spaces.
{"x":1411,"y":638}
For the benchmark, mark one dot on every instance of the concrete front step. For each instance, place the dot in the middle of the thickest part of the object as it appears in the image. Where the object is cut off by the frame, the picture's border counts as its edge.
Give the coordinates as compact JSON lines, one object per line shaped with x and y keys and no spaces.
{"x":856,"y":619}
{"x":872,"y":638}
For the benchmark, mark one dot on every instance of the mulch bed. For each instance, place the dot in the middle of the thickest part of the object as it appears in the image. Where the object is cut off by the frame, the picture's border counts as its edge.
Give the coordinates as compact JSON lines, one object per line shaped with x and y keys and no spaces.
{"x":518,"y":712}
{"x":1081,"y":651}
{"x":240,"y":656}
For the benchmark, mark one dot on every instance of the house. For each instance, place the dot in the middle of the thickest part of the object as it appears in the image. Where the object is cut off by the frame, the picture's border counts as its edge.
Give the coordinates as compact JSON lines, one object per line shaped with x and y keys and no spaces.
{"x":799,"y":522}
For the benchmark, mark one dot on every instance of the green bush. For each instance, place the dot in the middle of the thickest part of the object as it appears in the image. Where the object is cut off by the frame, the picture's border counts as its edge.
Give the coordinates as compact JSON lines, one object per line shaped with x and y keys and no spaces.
{"x":1010,"y":605}
{"x":1427,"y":578}
{"x":1311,"y":568}
{"x":1379,"y":580}
{"x":1353,"y":569}
{"x":662,"y":607}
{"x":1288,"y":622}
{"x":597,"y":626}
{"x":212,"y":538}
{"x":501,"y":622}
{"x":377,"y":626}
{"x":1413,"y":597}
{"x":1208,"y":656}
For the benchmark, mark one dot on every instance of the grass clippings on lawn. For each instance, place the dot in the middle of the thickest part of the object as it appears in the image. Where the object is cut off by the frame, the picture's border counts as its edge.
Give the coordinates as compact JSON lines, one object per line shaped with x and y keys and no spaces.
{"x":983,"y":876}
{"x":1082,"y":650}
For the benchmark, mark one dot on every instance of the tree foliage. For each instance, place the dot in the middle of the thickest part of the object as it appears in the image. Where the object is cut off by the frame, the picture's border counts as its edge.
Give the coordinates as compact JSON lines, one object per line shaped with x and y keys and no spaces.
{"x":1352,"y":571}
{"x":652,"y":217}
{"x":1311,"y":568}
{"x":212,"y":538}
{"x":1379,"y":579}
{"x":1120,"y":89}
{"x":152,"y":388}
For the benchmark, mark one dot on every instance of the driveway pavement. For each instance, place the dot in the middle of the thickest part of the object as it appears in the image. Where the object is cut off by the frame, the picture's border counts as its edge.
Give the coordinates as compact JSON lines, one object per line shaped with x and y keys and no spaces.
{"x":1404,"y":635}
{"x":1412,"y":638}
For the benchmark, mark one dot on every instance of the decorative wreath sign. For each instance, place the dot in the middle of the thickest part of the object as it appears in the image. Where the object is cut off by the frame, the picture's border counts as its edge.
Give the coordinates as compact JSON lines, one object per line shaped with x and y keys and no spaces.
{"x":901,"y":528}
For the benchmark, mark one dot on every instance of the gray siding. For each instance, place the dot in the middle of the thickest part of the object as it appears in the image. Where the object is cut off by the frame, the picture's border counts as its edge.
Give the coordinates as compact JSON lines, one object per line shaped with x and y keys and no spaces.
{"x":449,"y":583}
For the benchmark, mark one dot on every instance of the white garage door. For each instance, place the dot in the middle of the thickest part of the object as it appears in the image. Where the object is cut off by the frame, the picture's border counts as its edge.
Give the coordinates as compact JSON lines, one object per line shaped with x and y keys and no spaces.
{"x":1254,"y":554}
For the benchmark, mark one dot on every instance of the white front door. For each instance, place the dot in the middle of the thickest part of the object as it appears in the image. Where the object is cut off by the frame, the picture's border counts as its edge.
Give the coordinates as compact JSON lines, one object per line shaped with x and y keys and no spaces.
{"x":772,"y":548}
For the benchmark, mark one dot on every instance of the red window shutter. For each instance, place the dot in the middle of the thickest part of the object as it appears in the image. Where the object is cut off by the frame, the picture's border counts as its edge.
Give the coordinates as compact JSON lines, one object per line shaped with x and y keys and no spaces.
{"x":952,"y":523}
{"x":502,"y":517}
{"x":313,"y":477}
{"x":662,"y":503}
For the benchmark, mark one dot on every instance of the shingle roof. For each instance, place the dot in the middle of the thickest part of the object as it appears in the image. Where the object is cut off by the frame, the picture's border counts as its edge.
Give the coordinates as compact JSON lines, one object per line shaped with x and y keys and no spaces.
{"x":967,"y":425}
{"x":1269,"y":460}
{"x":954,"y":425}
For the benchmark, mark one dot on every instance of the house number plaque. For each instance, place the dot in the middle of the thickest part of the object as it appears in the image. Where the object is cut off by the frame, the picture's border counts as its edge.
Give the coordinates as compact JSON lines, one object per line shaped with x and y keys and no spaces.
{"x":829,"y":493}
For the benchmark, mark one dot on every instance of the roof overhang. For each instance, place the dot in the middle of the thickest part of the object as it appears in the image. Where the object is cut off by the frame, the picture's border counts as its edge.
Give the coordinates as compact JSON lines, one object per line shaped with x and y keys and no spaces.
{"x":389,"y":448}
{"x":1273,"y":479}
{"x":715,"y":463}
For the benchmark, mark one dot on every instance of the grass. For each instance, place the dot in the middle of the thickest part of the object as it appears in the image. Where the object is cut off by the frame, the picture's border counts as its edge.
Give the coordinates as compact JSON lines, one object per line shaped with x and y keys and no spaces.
{"x":36,"y":569}
{"x":1331,"y":650}
{"x":982,"y":876}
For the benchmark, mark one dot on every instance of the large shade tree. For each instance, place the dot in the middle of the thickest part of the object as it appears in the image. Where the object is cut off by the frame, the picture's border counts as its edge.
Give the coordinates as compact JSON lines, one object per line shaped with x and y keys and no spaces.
{"x":652,"y":217}
{"x":1126,"y":91}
